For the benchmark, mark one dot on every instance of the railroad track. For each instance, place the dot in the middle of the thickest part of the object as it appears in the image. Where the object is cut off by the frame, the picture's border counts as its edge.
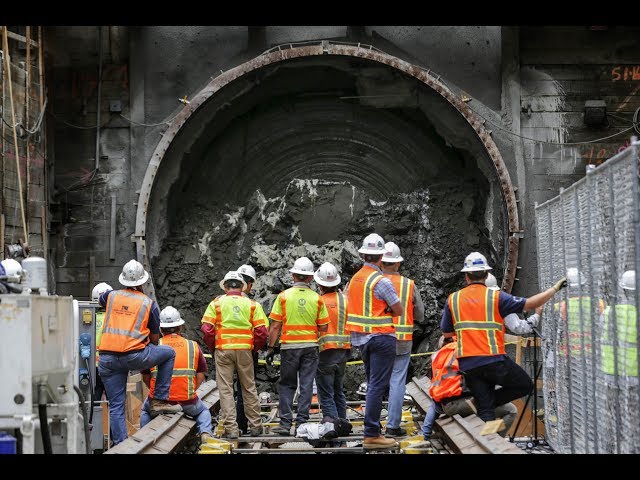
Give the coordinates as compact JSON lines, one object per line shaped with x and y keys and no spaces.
{"x":169,"y":433}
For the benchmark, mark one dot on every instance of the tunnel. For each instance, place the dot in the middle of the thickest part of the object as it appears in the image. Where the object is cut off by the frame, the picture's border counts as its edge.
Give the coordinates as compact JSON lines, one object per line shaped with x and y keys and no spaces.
{"x":306,"y":155}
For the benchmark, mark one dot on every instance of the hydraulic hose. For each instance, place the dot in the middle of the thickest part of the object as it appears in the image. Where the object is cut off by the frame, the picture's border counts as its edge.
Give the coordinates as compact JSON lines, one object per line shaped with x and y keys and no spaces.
{"x":85,"y":421}
{"x":44,"y":421}
{"x":91,"y":387}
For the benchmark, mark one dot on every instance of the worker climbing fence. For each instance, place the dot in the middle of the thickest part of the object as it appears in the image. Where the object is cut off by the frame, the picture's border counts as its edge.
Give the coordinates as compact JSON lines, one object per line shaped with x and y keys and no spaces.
{"x":590,"y":232}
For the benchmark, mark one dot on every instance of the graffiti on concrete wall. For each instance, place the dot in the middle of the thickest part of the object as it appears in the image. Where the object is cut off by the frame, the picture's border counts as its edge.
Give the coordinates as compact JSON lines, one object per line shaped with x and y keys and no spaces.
{"x":625,"y":73}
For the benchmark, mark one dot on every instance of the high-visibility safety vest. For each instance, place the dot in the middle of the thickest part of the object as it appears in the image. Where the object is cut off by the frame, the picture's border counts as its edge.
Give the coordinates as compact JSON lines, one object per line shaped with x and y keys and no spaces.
{"x":577,"y":333}
{"x":300,"y":310}
{"x":627,"y":344}
{"x":335,"y":336}
{"x":234,"y":317}
{"x":446,"y":381}
{"x":365,"y":312}
{"x":477,"y":321}
{"x":99,"y":324}
{"x":185,"y":365}
{"x":404,"y":322}
{"x":125,"y":322}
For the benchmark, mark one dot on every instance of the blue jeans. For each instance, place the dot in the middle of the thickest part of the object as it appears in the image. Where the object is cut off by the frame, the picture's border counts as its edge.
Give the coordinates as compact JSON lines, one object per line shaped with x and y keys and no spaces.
{"x":435,"y":410}
{"x":114,"y":370}
{"x":378,"y":355}
{"x":397,"y":388}
{"x":296,"y":364}
{"x":198,"y":411}
{"x":329,"y":380}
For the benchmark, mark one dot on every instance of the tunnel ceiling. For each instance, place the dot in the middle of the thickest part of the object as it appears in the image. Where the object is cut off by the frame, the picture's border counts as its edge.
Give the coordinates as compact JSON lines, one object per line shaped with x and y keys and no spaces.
{"x":372,"y":129}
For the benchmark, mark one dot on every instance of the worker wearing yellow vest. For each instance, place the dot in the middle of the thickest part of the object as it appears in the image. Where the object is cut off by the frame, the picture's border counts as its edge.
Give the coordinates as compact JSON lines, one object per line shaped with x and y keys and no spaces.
{"x":188,"y":374}
{"x":413,"y":308}
{"x":130,"y":336}
{"x":449,"y":393}
{"x":236,"y":318}
{"x":98,"y":290}
{"x":475,"y":314}
{"x":301,"y":315}
{"x":335,"y":345}
{"x":619,"y":366}
{"x":372,"y":302}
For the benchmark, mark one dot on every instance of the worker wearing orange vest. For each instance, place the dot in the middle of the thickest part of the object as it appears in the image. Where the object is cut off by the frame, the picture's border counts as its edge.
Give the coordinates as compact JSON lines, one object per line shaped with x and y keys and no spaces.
{"x":335,"y":345}
{"x":188,"y":374}
{"x":413,"y":308}
{"x":449,"y":393}
{"x":301,"y":315}
{"x":372,"y":302}
{"x":129,"y":341}
{"x":476,"y":315}
{"x":236,"y":319}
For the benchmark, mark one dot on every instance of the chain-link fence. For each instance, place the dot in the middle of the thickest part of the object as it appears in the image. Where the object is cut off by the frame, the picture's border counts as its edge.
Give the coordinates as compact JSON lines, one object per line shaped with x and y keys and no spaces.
{"x":590,"y":233}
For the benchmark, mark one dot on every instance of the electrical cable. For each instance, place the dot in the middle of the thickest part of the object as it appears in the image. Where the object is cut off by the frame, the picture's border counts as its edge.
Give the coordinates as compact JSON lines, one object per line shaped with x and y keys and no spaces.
{"x":83,"y":406}
{"x":44,"y":420}
{"x":91,"y":387}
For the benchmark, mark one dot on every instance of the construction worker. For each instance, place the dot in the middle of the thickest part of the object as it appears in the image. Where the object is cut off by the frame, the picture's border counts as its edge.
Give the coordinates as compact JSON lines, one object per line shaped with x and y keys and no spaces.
{"x":301,"y":315}
{"x":449,"y":393}
{"x":236,"y":320}
{"x":412,"y":308}
{"x":98,"y":290}
{"x":513,"y":322}
{"x":334,"y":344}
{"x":372,"y":302}
{"x":130,"y":336}
{"x":249,"y":275}
{"x":475,"y":314}
{"x":188,"y":374}
{"x":619,"y":366}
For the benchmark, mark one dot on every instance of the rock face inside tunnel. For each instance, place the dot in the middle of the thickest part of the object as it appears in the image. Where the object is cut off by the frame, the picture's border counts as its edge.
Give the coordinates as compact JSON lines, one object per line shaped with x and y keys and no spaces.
{"x":324,"y":220}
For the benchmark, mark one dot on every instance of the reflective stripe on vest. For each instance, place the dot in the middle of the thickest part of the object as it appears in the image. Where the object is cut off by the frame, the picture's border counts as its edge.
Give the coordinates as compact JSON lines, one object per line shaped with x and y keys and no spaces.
{"x":404,"y":323}
{"x":365,"y":312}
{"x":125,"y":322}
{"x":300,"y":307}
{"x":627,"y":341}
{"x":335,"y":336}
{"x":477,"y":321}
{"x":234,"y":322}
{"x":446,"y":381}
{"x":579,"y":307}
{"x":183,"y":380}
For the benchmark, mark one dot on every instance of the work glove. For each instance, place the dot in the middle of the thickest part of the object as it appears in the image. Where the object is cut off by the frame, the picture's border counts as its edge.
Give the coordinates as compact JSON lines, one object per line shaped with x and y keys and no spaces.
{"x":269,"y":357}
{"x":560,"y":284}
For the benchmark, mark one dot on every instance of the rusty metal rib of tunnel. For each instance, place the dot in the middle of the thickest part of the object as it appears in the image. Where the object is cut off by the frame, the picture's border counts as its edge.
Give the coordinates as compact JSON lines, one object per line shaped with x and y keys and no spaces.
{"x":278,"y":54}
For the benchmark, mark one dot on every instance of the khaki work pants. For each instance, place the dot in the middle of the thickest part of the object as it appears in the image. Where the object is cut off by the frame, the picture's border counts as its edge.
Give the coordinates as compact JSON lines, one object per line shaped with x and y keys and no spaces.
{"x":227,"y":363}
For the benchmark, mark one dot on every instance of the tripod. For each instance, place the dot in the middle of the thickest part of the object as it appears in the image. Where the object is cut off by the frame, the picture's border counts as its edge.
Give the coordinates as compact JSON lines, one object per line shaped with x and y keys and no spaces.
{"x":533,"y":440}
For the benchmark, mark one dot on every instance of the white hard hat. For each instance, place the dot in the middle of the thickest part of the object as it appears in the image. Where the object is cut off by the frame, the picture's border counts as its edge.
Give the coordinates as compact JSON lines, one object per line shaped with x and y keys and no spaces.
{"x":170,"y":317}
{"x":327,"y":275}
{"x":99,"y":289}
{"x":628,"y":280}
{"x":362,"y":389}
{"x":391,"y":253}
{"x":475,"y":262}
{"x":248,"y":271}
{"x":12,"y":269}
{"x":233,"y":275}
{"x":373,"y":244}
{"x":302,"y":266}
{"x":491,"y":282}
{"x":133,"y":274}
{"x":574,"y":277}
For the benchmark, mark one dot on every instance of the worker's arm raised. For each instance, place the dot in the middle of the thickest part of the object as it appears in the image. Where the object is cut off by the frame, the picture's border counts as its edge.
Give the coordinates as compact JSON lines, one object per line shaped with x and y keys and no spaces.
{"x":541,"y":298}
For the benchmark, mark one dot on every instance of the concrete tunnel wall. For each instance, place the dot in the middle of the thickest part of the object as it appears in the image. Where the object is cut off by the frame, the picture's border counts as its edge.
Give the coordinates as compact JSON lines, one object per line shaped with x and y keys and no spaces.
{"x":167,"y":63}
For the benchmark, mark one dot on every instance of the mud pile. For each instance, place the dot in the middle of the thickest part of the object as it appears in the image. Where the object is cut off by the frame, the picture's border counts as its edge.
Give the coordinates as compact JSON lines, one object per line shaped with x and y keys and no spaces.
{"x":435,"y":227}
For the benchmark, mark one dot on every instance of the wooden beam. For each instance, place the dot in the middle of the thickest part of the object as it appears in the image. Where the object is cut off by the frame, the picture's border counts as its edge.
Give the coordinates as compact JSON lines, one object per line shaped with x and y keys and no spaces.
{"x":20,"y":38}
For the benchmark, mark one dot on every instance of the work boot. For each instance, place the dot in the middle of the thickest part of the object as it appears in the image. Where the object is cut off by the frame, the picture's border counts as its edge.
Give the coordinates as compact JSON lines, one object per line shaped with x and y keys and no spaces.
{"x":255,"y":431}
{"x":230,"y":435}
{"x":395,"y":432}
{"x":157,"y":406}
{"x":280,"y":430}
{"x":379,"y":442}
{"x":205,"y":437}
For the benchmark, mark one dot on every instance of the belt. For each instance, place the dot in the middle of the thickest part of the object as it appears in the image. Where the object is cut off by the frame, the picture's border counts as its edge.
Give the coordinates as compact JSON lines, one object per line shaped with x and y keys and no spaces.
{"x":118,"y":354}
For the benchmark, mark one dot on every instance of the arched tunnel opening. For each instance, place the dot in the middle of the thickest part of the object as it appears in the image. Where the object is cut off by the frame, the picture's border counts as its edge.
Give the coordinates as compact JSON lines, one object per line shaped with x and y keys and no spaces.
{"x":306,"y":157}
